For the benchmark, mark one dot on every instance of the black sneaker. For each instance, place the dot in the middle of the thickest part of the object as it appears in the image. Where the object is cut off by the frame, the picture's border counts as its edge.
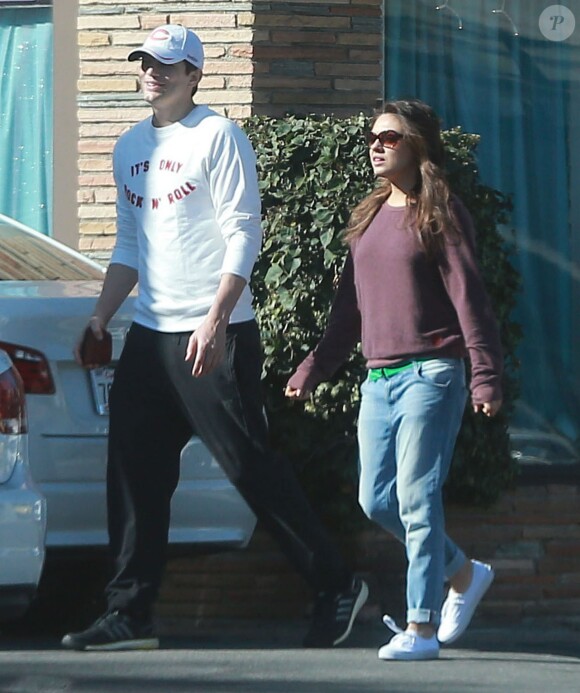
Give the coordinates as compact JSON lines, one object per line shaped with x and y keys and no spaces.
{"x":113,"y":631}
{"x":334,"y":614}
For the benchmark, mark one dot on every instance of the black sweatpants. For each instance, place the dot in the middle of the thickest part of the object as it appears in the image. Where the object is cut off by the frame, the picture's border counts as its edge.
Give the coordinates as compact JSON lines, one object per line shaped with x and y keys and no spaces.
{"x":155,"y":406}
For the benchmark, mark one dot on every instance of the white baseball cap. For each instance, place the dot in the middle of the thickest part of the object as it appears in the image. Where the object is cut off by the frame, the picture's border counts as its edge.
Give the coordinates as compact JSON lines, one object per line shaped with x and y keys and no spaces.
{"x":170,"y":44}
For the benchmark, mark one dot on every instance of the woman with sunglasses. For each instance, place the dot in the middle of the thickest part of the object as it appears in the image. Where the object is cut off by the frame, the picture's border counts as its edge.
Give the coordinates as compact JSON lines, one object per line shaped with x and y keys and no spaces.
{"x":412,"y":294}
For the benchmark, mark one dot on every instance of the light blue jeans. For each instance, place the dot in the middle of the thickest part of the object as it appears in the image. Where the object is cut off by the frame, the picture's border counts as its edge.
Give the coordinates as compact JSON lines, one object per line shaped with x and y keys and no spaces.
{"x":407,"y":427}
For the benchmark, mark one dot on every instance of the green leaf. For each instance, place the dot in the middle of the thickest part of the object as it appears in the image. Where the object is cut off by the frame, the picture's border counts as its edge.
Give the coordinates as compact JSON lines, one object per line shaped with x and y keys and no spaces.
{"x":273,"y":274}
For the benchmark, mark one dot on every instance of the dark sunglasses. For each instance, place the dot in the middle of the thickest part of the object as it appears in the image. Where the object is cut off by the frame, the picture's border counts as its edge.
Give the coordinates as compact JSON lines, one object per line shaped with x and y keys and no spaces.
{"x":387,"y":138}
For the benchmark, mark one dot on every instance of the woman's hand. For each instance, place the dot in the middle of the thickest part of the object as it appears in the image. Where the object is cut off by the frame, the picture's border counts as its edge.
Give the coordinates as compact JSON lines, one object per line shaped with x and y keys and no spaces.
{"x":296,"y":393}
{"x":488,"y":408}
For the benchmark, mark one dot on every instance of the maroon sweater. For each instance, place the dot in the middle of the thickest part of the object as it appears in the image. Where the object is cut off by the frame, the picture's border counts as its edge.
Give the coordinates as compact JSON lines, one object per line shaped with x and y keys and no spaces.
{"x":402,"y":306}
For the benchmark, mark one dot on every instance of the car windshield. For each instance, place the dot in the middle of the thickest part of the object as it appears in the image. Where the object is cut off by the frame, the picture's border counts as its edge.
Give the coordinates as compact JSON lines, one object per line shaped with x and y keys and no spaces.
{"x":28,"y":255}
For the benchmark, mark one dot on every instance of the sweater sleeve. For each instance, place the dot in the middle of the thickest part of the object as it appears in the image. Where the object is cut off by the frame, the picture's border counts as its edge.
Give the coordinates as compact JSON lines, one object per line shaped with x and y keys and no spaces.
{"x":339,"y":339}
{"x":465,"y":287}
{"x":234,"y":190}
{"x":126,"y":250}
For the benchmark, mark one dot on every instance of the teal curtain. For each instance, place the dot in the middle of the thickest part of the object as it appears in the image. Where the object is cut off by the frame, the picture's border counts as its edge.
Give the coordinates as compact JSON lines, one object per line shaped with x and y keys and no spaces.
{"x":485,"y":65}
{"x":26,"y":115}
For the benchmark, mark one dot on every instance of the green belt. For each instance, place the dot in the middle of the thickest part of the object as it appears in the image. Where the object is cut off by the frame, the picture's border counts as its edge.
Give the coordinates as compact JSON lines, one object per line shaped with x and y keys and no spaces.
{"x":378,"y":373}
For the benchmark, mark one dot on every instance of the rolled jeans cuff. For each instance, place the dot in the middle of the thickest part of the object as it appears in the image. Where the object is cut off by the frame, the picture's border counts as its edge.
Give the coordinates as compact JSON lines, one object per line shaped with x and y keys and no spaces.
{"x":423,"y":616}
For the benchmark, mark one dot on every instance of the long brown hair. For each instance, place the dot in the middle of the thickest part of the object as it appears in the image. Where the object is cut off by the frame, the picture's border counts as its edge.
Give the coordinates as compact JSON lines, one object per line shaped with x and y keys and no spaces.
{"x":429,"y":199}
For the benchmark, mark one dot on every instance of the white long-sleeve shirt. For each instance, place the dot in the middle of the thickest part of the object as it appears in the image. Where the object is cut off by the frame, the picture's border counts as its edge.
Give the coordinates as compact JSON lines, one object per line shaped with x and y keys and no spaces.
{"x":188,"y":211}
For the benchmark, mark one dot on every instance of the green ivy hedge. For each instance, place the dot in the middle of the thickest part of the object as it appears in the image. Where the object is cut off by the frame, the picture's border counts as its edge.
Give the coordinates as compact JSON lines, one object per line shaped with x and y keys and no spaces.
{"x":312,"y":171}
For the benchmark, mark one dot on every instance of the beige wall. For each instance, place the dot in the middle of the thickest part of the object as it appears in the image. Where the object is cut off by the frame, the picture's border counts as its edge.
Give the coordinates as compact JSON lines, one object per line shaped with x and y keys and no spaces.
{"x":265,"y":57}
{"x":65,"y":135}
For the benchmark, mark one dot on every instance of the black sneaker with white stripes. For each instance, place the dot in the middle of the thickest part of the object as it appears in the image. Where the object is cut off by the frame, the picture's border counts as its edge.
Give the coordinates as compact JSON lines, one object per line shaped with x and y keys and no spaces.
{"x":114,"y":631}
{"x":334,"y":613}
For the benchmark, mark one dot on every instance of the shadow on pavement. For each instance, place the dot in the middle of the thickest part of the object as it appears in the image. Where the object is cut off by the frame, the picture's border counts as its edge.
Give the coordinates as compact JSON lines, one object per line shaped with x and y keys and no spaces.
{"x":557,"y":640}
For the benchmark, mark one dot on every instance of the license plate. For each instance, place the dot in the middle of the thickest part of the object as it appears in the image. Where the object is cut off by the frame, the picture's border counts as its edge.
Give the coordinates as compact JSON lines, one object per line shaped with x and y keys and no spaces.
{"x":101,"y":381}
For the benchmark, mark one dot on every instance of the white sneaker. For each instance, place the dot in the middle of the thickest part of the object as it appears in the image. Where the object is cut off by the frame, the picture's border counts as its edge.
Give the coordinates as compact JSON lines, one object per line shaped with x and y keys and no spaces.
{"x":408,"y":646}
{"x":459,"y":607}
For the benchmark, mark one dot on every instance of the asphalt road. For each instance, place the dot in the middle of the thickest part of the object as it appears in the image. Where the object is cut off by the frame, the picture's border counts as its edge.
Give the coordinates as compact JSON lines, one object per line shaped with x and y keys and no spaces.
{"x":266,"y":658}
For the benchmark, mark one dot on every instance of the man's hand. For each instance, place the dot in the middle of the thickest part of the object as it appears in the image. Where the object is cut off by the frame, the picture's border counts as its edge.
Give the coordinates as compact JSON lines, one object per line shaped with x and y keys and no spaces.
{"x":488,"y":408}
{"x":206,"y":348}
{"x":207,"y":345}
{"x":294,"y":393}
{"x":98,"y":328}
{"x":118,"y":284}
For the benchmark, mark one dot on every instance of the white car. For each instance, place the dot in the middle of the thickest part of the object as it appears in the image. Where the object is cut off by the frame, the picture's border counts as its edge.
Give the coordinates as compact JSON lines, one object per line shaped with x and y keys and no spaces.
{"x":47,"y":293}
{"x":22,"y":506}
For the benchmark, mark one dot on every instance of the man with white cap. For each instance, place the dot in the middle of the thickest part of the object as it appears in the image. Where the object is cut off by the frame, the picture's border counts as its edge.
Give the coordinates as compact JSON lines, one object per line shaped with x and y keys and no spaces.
{"x":188,"y":231}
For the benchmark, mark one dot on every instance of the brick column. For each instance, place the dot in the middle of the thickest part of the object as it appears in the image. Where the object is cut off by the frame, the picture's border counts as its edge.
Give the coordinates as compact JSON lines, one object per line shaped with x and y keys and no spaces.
{"x":109,"y":101}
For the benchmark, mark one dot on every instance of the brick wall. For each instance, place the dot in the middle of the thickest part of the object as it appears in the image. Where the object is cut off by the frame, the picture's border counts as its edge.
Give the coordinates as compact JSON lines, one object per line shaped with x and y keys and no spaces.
{"x":317,"y":57}
{"x":531,"y":537}
{"x":264,"y":57}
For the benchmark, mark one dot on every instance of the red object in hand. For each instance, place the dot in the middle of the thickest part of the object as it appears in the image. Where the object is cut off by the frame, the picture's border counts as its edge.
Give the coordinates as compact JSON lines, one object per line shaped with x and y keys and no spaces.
{"x":96,"y":352}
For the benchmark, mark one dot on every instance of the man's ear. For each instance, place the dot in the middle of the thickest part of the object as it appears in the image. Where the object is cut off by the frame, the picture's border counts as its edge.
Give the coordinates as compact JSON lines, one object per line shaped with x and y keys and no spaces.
{"x":195,"y":77}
